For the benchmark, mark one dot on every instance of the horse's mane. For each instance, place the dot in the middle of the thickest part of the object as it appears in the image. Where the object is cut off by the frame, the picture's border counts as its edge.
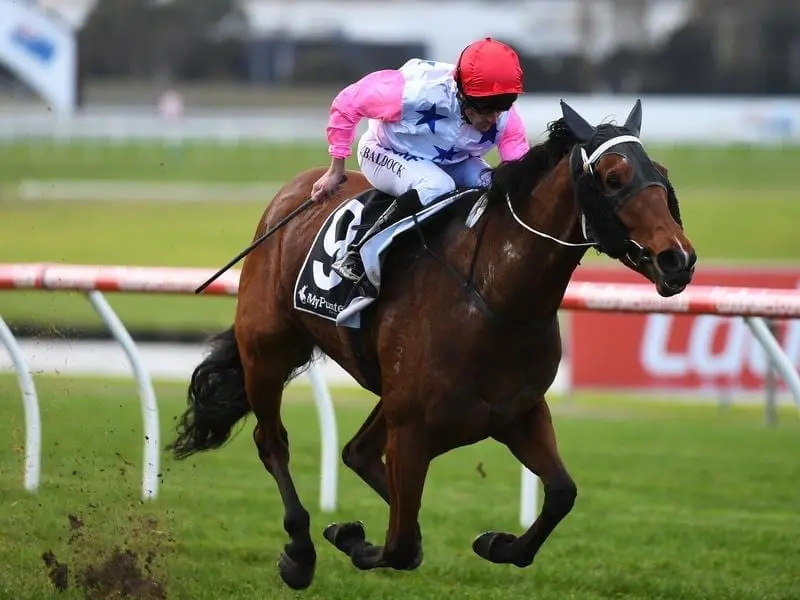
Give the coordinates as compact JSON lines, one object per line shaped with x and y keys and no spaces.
{"x":517,"y":178}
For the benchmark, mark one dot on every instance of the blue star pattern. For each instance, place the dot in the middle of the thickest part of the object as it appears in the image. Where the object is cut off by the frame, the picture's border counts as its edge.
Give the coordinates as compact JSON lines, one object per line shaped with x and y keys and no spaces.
{"x":429,"y":117}
{"x":490,"y":135}
{"x":444,"y":155}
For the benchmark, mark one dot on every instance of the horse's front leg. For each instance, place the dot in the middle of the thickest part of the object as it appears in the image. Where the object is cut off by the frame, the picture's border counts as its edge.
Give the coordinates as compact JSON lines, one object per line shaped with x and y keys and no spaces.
{"x":532,"y":440}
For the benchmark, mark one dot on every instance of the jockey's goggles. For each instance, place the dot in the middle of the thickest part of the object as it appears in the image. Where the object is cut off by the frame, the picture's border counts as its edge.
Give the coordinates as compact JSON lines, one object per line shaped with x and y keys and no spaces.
{"x":489,"y":104}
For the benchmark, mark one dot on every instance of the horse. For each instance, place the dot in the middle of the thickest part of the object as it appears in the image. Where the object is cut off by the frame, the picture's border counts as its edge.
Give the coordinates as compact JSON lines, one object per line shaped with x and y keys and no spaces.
{"x":462,"y":343}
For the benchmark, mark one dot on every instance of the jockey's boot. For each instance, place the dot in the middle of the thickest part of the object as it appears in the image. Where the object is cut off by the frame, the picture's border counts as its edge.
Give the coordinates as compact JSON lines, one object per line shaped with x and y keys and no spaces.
{"x":350,"y":265}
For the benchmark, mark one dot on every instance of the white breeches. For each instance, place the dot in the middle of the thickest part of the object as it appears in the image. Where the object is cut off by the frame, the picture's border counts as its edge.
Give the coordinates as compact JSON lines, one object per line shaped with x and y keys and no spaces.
{"x":396,"y":173}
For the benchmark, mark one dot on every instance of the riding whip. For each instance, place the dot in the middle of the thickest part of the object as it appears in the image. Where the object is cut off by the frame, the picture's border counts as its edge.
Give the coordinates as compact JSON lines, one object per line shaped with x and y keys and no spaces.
{"x":255,"y":244}
{"x":258,"y":240}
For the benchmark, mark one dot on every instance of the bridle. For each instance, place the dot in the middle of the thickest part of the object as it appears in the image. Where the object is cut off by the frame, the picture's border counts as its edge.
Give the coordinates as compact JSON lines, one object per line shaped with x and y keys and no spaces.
{"x":637,"y":255}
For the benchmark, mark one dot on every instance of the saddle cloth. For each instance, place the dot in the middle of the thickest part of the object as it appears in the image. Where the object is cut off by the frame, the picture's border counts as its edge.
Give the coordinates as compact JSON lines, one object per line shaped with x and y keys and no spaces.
{"x":322,"y":292}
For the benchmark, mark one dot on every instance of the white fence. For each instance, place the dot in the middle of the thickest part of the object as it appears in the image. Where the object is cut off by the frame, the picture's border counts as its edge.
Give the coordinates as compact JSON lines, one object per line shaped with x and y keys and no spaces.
{"x":754,"y":305}
{"x":667,"y":120}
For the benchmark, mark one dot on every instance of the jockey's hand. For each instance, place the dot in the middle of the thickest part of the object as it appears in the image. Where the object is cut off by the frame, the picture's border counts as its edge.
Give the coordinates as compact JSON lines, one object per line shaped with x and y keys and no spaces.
{"x":326,"y":186}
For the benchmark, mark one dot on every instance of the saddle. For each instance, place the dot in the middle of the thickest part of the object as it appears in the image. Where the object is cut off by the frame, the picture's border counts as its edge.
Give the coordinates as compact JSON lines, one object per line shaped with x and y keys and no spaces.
{"x":321,"y":291}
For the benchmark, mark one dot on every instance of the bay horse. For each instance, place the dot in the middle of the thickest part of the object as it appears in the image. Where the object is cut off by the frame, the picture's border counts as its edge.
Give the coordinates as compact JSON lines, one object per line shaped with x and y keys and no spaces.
{"x":462,"y":343}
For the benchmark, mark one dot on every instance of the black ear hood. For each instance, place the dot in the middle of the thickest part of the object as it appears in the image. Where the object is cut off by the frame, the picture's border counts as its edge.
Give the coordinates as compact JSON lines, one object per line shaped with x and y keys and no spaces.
{"x":601,"y":224}
{"x":599,"y":210}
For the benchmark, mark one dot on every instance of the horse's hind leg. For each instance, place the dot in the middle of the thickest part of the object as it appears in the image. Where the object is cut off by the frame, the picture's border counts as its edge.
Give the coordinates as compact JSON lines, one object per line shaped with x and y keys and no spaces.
{"x":363,"y":454}
{"x":268,"y":360}
{"x":532,"y":440}
{"x":407,"y":462}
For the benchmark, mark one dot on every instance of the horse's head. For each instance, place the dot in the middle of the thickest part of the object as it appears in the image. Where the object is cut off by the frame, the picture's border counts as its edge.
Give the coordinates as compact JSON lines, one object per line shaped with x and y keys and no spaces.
{"x":627,"y":205}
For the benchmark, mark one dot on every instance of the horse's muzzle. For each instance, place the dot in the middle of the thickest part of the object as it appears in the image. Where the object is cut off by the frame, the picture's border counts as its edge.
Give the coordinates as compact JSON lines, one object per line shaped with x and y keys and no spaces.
{"x":675,"y":269}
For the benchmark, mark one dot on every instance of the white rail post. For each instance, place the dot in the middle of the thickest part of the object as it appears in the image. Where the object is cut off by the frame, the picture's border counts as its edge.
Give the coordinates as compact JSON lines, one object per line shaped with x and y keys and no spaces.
{"x":147,"y":394}
{"x":33,"y":422}
{"x":330,"y":443}
{"x":529,"y":498}
{"x":782,"y":362}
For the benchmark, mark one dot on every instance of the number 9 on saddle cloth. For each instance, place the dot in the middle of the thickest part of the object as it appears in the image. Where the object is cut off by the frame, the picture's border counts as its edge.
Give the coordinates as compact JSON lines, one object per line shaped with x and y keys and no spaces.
{"x":319,"y":290}
{"x":375,"y":204}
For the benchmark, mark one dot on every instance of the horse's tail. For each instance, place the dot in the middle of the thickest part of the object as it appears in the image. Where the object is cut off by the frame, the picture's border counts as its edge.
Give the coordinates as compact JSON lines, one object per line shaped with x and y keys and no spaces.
{"x":216,"y":399}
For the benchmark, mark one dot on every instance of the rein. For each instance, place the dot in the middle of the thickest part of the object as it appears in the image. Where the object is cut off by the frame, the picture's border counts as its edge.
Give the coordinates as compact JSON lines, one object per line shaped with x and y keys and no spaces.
{"x":467,"y":283}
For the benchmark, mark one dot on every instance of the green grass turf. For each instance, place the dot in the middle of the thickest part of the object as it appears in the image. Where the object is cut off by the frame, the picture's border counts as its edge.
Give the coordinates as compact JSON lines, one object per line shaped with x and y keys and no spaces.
{"x":739,"y":204}
{"x":675,"y":502}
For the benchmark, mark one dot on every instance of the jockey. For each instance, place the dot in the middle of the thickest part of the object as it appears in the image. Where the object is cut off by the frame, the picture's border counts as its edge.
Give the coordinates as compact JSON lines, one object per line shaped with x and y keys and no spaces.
{"x":429,"y":125}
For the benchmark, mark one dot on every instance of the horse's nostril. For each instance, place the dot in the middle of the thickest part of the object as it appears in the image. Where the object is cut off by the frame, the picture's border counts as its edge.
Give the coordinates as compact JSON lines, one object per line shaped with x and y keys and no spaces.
{"x":671,"y":261}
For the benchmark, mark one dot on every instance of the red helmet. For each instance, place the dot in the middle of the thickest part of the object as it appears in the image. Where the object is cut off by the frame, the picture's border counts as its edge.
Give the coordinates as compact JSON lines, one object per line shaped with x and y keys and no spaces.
{"x":489,"y":68}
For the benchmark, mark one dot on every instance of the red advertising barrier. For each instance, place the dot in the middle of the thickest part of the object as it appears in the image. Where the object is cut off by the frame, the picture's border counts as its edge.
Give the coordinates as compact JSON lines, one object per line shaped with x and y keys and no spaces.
{"x":671,"y":351}
{"x":621,"y":333}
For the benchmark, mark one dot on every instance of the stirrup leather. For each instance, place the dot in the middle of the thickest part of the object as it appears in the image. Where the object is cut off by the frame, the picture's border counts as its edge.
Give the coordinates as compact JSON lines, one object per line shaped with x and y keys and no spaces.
{"x":349,"y":266}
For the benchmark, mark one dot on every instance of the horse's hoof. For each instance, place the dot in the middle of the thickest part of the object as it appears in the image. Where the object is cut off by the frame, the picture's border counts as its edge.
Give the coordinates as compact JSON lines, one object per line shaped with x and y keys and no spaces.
{"x":405,"y":562}
{"x":339,"y":533}
{"x":494,"y":546}
{"x":368,"y":557}
{"x":296,"y":575}
{"x":415,"y":564}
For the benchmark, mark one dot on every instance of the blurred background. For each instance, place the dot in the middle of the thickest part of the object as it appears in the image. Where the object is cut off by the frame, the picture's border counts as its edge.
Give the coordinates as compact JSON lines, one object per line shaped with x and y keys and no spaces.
{"x":155,"y":132}
{"x":233,"y":53}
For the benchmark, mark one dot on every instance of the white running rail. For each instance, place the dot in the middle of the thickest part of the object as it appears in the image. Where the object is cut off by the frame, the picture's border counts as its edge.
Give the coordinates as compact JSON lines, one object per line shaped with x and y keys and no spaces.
{"x":753,"y":304}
